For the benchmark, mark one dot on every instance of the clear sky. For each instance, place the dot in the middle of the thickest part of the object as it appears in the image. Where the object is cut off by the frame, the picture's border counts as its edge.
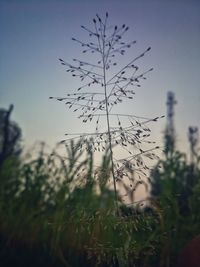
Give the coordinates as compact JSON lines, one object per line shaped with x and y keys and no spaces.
{"x":34,"y":34}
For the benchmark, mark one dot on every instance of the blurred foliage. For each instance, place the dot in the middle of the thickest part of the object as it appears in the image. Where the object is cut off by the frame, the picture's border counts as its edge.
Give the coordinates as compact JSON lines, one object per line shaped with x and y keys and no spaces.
{"x":10,"y":149}
{"x":57,"y":212}
{"x":175,"y":186}
{"x":10,"y":136}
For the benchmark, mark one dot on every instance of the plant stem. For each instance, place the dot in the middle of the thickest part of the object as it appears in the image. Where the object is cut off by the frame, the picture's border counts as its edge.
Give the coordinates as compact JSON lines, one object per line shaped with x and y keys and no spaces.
{"x":108,"y":122}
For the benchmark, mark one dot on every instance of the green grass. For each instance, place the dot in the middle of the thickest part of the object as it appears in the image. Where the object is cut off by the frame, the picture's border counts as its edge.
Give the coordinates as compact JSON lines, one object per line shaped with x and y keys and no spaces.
{"x":51,"y":214}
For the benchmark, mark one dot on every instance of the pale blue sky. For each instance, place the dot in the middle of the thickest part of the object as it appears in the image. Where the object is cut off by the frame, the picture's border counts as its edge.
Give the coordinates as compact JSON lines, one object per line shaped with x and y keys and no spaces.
{"x":34,"y":34}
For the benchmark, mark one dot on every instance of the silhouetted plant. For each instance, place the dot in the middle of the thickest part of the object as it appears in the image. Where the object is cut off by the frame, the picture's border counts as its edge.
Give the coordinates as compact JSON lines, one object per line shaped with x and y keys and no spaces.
{"x":10,"y":150}
{"x":57,"y":213}
{"x":174,"y":186}
{"x":56,"y":216}
{"x":193,"y":136}
{"x":10,"y":136}
{"x":105,"y":85}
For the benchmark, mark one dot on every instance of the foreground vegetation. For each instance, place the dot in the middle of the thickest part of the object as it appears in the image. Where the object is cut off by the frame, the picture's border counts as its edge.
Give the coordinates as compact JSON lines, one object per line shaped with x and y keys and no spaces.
{"x":57,"y":212}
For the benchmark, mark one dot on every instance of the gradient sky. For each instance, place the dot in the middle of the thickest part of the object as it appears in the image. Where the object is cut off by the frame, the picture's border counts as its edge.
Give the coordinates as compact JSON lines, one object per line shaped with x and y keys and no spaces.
{"x":34,"y":34}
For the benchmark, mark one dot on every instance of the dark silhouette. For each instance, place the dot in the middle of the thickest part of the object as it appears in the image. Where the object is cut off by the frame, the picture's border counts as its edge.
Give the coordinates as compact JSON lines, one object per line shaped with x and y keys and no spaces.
{"x":10,"y":136}
{"x":193,"y":136}
{"x":170,"y":132}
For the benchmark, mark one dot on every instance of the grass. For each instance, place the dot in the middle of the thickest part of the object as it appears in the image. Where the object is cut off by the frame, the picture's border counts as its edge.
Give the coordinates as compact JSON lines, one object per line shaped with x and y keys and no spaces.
{"x":49,"y":214}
